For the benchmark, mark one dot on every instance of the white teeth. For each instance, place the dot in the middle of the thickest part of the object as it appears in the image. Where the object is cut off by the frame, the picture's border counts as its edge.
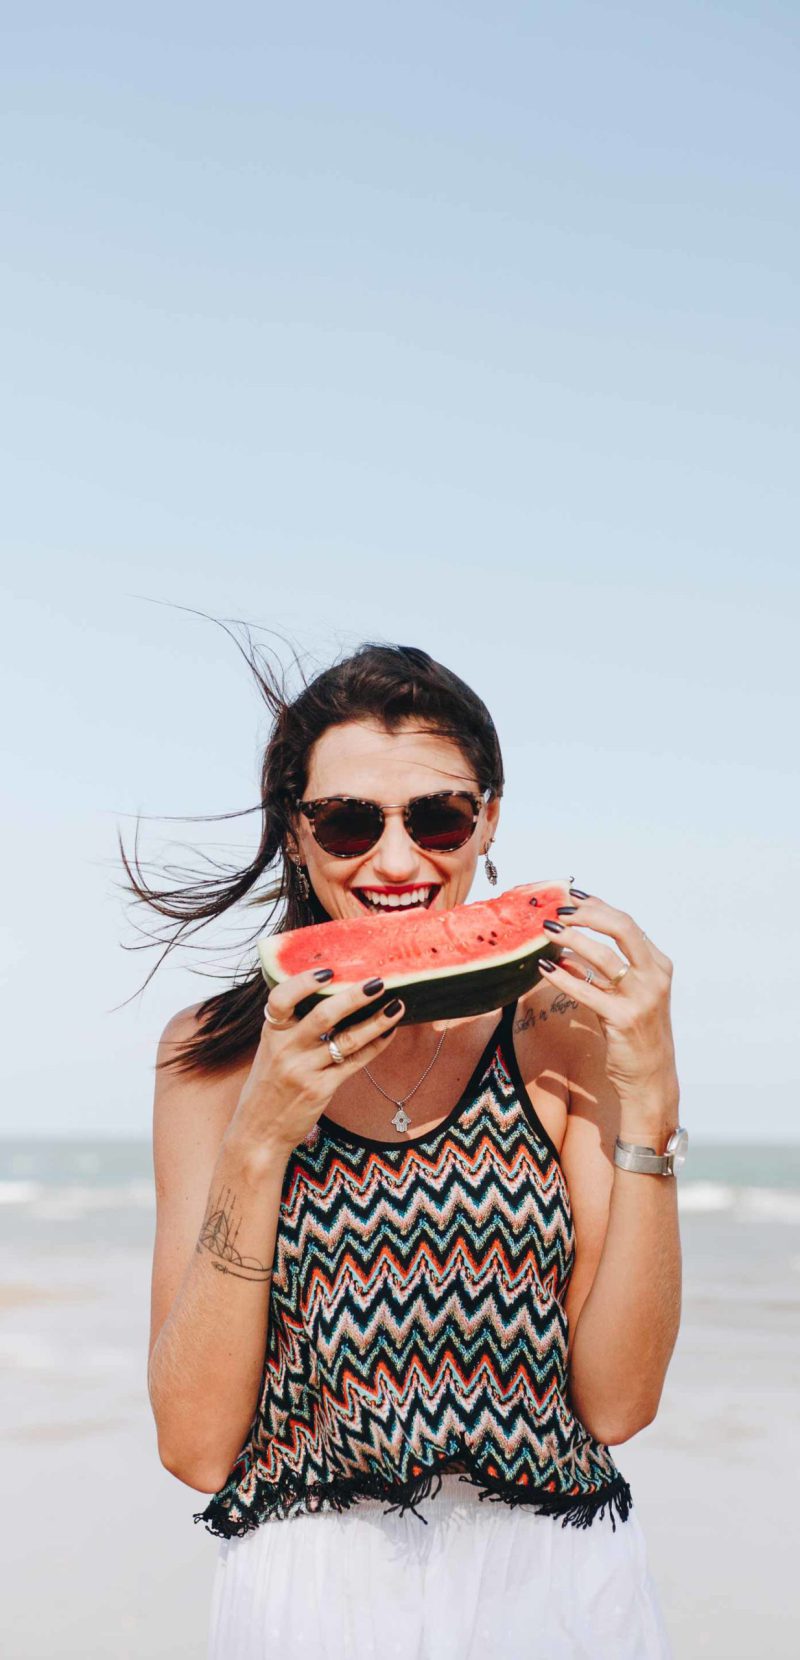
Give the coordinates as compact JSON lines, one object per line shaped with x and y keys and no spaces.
{"x":397,"y":901}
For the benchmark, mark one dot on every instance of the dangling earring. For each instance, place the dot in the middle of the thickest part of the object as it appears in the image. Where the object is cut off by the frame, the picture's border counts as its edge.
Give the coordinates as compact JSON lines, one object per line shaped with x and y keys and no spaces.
{"x":302,"y":880}
{"x":490,"y":867}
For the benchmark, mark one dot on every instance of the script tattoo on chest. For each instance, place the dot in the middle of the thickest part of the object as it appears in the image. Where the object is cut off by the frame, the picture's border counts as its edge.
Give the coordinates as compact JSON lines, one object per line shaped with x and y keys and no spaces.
{"x":561,"y":1004}
{"x":218,"y":1237}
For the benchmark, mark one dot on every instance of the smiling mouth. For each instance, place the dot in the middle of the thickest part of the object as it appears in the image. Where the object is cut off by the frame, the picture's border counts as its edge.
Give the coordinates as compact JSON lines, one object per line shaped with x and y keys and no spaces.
{"x":398,"y":899}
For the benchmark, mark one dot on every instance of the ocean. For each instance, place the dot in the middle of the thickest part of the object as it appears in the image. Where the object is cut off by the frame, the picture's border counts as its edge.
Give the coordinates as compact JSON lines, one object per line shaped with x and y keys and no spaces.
{"x":74,"y":1192}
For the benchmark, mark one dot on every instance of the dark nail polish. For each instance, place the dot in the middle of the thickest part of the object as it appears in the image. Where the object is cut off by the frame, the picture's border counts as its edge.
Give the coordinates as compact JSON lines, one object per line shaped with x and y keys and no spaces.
{"x":323,"y":974}
{"x":392,"y":1008}
{"x":566,"y":910}
{"x":545,"y":963}
{"x":372,"y":987}
{"x":579,"y":893}
{"x":555,"y":927}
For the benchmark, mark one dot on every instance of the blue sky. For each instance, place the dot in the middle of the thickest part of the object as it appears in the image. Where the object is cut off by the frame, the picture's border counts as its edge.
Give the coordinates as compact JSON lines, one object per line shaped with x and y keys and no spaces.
{"x":468,"y":327}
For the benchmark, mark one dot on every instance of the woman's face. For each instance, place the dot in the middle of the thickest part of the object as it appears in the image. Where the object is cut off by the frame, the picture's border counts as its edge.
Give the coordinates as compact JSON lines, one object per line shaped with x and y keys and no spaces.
{"x":361,"y":759}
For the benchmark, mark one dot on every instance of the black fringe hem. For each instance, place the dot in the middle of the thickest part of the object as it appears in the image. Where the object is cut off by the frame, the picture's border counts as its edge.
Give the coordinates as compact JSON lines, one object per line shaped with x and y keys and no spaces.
{"x":270,"y":1499}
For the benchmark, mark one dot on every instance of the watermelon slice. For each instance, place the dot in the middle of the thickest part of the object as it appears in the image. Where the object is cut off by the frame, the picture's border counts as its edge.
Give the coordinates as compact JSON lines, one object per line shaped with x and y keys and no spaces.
{"x":443,"y":964}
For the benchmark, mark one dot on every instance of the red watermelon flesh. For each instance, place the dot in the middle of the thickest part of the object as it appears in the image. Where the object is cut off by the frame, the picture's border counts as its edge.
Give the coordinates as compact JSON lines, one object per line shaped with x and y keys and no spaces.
{"x":462,"y":961}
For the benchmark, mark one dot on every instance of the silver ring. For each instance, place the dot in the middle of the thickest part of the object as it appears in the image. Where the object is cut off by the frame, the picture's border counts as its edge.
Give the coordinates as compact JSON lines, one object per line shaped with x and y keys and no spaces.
{"x":336,"y":1054}
{"x":589,"y":977}
{"x":615,"y":978}
{"x":277,"y":1025}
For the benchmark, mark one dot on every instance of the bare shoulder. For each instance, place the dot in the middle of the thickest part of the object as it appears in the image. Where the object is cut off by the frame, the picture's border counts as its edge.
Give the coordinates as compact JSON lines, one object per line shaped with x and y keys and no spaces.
{"x":191,"y":1109}
{"x":180,"y":1028}
{"x":550,"y":1025}
{"x":560,"y":1050}
{"x":543,"y":1043}
{"x":179,"y":1031}
{"x":554,"y":1030}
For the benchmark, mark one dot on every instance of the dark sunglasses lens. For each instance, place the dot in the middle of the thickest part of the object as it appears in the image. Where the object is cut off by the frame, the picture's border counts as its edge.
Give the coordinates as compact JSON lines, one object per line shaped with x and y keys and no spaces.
{"x":347,"y":828}
{"x":441,"y":823}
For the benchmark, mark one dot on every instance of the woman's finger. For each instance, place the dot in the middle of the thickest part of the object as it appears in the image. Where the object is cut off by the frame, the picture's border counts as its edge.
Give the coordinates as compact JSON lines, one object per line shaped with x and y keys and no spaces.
{"x":574,"y":963}
{"x":338,"y":1006}
{"x":361,"y":1057}
{"x":355,"y":1041}
{"x":605,"y":919}
{"x":605,"y":1003}
{"x":594,"y":952}
{"x":284,"y":998}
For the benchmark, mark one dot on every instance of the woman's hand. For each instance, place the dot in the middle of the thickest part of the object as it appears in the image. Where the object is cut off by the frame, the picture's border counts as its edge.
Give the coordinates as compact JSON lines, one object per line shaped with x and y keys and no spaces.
{"x":294,"y":1075}
{"x":634,"y":1013}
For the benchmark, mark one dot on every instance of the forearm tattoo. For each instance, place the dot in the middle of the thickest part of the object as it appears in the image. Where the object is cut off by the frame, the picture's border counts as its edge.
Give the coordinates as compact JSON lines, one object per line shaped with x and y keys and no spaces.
{"x":560,"y":1004}
{"x":218,"y":1236}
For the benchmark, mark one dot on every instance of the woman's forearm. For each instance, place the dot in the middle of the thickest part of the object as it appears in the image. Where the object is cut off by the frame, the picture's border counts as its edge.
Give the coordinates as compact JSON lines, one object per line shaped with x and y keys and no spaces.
{"x":627,"y":1328}
{"x":207,"y":1363}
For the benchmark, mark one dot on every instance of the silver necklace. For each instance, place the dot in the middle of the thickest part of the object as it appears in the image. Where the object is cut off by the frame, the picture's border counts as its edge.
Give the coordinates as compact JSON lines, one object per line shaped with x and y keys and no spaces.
{"x":401,"y":1119}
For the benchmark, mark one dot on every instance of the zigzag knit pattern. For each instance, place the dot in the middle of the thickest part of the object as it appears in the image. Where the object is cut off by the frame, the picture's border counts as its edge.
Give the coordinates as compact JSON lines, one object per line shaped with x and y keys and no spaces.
{"x":417,"y":1319}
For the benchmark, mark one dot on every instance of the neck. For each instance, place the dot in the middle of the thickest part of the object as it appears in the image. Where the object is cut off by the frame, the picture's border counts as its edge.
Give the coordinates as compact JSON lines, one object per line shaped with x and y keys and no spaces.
{"x":412,"y":1045}
{"x":403,"y":1080}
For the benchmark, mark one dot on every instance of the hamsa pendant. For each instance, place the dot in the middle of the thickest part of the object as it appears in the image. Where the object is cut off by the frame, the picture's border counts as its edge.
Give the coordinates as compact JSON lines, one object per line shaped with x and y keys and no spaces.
{"x":401,"y":1120}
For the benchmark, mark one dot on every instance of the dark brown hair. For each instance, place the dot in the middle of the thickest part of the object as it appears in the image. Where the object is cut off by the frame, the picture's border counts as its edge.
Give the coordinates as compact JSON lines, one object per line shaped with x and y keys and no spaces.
{"x":386,"y":682}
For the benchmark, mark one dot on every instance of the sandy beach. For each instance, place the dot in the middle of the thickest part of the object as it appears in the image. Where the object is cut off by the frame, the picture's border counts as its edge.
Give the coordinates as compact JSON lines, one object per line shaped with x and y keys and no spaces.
{"x":102,"y":1556}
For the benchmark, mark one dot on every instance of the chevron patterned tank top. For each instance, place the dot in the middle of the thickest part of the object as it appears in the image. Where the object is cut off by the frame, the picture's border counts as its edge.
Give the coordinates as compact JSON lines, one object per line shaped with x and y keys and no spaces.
{"x":417,"y":1322}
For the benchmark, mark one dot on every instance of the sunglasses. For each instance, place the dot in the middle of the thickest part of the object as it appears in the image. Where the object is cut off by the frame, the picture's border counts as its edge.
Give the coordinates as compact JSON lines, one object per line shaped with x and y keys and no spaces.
{"x":346,"y":827}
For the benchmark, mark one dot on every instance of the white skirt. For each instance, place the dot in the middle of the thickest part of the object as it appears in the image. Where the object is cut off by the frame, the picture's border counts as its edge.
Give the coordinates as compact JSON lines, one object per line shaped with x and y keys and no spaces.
{"x":482,"y":1581}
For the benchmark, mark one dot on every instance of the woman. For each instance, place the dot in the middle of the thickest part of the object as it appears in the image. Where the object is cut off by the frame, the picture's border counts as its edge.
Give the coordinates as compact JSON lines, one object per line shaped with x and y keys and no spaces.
{"x":397,"y":1268}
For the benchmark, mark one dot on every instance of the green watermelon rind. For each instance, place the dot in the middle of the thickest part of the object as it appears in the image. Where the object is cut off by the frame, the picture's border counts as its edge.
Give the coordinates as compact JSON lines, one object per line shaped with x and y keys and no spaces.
{"x":441,"y":993}
{"x":474,"y":992}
